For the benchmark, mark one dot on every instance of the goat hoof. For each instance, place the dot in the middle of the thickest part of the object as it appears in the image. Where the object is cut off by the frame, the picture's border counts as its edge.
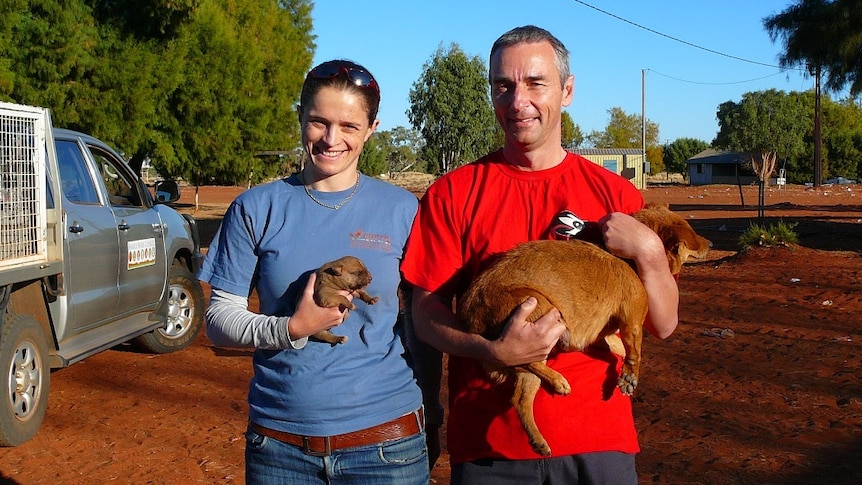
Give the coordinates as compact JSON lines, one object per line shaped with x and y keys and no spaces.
{"x":627,"y":383}
{"x":562,"y":387}
{"x":541,"y":448}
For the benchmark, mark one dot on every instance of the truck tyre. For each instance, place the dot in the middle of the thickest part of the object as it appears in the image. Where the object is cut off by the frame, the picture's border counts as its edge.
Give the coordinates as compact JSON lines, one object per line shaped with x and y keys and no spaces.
{"x":25,"y":381}
{"x":185,"y":314}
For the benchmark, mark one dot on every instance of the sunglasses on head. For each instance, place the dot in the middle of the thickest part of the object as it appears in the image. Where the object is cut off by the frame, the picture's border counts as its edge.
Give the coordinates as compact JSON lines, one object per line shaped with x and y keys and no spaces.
{"x":359,"y":77}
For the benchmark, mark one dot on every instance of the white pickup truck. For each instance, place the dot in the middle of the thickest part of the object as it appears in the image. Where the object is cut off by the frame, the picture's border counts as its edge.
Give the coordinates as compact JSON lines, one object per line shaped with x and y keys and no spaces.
{"x":89,"y":259}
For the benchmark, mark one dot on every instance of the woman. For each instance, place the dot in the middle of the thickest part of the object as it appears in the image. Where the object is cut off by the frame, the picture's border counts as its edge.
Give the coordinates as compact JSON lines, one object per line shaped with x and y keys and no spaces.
{"x":350,"y":412}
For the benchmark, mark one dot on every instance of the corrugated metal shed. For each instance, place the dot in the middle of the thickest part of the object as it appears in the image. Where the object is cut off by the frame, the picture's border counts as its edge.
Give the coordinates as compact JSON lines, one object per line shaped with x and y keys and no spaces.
{"x":625,"y":162}
{"x":607,"y":151}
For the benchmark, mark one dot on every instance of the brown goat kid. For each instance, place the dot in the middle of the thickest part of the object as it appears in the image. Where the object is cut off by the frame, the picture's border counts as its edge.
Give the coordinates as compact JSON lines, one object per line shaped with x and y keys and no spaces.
{"x":346,"y":273}
{"x":597,"y":294}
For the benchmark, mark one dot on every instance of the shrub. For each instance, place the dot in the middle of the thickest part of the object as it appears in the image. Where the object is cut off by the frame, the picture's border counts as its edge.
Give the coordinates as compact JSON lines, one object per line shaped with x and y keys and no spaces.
{"x":778,"y":234}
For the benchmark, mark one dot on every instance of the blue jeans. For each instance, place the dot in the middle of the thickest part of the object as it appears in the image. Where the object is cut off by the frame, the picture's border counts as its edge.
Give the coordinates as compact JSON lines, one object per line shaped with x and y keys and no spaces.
{"x":397,"y":462}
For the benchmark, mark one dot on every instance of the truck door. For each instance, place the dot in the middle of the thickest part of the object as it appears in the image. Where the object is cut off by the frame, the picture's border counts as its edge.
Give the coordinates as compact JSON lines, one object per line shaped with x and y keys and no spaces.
{"x":92,"y":241}
{"x":142,"y":264}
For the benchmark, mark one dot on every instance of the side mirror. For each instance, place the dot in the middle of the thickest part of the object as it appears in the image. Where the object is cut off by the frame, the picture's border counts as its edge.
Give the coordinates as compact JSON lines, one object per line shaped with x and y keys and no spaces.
{"x":166,"y":191}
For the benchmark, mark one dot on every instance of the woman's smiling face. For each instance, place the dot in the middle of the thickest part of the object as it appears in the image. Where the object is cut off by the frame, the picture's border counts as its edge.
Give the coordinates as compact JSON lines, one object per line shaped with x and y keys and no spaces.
{"x":335,"y":128}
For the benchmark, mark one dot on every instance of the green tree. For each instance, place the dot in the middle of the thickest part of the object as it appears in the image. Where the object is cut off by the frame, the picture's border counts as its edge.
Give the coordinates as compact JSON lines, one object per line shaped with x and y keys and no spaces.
{"x":842,"y":138}
{"x":246,"y":65}
{"x":372,"y":160}
{"x":678,"y":151}
{"x":10,"y":20}
{"x":402,"y":149}
{"x":95,"y":74}
{"x":767,"y":126}
{"x":50,"y":53}
{"x":164,"y":17}
{"x":450,"y":106}
{"x":822,"y":34}
{"x":198,"y":86}
{"x":572,"y":136}
{"x":626,"y":131}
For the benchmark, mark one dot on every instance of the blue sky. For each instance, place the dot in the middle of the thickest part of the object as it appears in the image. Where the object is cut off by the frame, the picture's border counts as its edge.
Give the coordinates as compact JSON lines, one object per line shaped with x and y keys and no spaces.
{"x":684,"y":85}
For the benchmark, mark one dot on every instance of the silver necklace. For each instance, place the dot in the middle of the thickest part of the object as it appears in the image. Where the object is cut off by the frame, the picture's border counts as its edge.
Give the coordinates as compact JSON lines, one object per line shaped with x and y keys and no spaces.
{"x":336,"y":206}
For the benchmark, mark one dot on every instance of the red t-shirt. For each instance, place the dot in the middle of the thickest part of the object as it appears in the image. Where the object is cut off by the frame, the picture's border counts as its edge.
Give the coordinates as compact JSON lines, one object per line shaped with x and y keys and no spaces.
{"x":465,"y":218}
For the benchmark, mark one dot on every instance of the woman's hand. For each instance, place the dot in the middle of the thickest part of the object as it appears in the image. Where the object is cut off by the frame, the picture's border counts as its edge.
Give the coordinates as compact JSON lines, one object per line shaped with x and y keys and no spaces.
{"x":309,"y":318}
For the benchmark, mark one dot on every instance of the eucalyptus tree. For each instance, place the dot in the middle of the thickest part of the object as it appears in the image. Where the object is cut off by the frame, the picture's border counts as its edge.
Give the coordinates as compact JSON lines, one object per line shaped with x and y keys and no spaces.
{"x":372,"y":160}
{"x":767,"y":125}
{"x":821,"y":36}
{"x":571,"y":134}
{"x":842,"y":138}
{"x":450,"y":106}
{"x":403,"y":146}
{"x":626,"y":131}
{"x":678,"y":151}
{"x":842,"y":133}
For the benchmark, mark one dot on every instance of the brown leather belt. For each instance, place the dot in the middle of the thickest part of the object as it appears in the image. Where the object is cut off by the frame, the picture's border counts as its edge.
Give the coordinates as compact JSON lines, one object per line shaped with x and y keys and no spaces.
{"x":407,"y":425}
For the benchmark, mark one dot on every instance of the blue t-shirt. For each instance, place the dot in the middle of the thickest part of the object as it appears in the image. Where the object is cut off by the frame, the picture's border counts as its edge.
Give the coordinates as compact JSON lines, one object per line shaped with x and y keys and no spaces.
{"x":271,"y":238}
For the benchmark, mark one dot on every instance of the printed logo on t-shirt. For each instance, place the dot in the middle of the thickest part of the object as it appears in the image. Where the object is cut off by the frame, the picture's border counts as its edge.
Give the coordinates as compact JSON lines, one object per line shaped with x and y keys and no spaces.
{"x":367,"y":240}
{"x":566,"y":225}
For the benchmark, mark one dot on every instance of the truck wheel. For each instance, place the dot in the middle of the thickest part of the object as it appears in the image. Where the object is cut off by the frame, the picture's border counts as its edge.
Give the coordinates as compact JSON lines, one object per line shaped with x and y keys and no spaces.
{"x":185,"y":316}
{"x":26,"y":379}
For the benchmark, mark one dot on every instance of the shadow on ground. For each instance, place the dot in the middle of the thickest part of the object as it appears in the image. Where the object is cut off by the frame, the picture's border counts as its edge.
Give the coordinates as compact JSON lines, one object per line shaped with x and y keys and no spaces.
{"x":826,"y":228}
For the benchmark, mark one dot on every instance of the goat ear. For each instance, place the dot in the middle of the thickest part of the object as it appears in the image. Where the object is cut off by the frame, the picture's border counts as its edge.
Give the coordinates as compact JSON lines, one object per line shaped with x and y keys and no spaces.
{"x":335,"y":269}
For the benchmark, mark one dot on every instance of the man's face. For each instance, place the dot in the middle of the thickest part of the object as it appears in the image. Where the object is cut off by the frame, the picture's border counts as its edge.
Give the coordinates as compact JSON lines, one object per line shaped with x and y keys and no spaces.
{"x":527,"y":95}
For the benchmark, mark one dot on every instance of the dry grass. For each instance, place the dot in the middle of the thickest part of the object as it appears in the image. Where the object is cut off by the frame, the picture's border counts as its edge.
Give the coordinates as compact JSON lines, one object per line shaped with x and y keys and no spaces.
{"x":416,"y":182}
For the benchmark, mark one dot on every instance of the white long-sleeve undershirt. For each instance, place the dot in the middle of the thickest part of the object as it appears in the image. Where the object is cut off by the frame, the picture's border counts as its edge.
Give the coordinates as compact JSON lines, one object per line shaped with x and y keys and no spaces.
{"x":231,"y":324}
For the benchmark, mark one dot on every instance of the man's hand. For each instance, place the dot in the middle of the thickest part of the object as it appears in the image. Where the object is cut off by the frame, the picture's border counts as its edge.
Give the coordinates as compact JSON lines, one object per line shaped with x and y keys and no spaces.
{"x":625,"y":237}
{"x":524,"y":342}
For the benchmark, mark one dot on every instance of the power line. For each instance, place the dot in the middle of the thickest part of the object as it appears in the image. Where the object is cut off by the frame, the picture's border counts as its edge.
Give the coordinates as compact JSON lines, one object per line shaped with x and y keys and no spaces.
{"x":715,"y":83}
{"x":678,"y":40}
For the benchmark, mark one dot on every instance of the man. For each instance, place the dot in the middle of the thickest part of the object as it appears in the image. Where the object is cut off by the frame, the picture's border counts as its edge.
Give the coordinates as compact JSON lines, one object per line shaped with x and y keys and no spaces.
{"x":488,"y":207}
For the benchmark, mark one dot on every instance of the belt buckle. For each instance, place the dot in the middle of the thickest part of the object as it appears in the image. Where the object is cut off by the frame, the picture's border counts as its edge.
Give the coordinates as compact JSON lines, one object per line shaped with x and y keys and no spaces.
{"x":420,"y":417}
{"x":327,"y":447}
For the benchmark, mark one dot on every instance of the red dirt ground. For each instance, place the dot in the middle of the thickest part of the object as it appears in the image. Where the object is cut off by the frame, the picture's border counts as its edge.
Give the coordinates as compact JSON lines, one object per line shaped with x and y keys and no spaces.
{"x":760,"y":383}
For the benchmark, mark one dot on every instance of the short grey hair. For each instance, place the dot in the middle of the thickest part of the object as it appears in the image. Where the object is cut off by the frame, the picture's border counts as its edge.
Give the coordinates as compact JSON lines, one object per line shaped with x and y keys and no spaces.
{"x":529,"y":34}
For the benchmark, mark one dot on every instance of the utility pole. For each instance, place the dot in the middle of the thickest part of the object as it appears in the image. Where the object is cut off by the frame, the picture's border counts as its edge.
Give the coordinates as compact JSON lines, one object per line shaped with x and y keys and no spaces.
{"x":643,"y":123}
{"x":818,"y":139}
